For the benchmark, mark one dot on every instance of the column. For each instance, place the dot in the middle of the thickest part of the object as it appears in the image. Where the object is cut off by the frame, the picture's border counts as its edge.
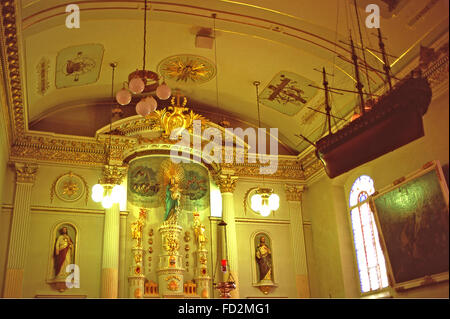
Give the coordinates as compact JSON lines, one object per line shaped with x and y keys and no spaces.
{"x":18,"y":242}
{"x":112,"y":175}
{"x":110,"y":258}
{"x":294,"y":197}
{"x":122,"y":260}
{"x":227,"y":184}
{"x":136,"y":277}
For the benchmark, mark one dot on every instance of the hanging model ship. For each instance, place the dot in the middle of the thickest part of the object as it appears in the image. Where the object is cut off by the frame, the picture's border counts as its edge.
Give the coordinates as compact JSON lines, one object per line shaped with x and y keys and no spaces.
{"x":393,"y":120}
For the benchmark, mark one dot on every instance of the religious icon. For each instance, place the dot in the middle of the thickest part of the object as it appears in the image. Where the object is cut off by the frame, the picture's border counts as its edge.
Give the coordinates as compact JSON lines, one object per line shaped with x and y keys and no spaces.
{"x":63,"y":253}
{"x":170,"y":176}
{"x":264,"y":259}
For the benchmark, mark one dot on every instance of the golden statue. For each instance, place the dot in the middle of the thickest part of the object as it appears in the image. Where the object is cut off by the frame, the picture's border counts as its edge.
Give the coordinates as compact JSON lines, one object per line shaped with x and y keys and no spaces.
{"x":137,"y":227}
{"x":199,"y":231}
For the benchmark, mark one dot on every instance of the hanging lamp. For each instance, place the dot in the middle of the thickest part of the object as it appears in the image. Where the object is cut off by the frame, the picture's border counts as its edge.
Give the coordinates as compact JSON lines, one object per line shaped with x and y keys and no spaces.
{"x":143,"y":82}
{"x":105,"y":191}
{"x":264,"y":201}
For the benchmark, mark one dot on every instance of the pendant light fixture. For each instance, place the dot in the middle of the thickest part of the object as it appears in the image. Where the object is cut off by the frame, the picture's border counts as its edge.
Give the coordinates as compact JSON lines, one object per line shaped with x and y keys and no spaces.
{"x":105,"y":191}
{"x":264,"y":201}
{"x":143,"y":82}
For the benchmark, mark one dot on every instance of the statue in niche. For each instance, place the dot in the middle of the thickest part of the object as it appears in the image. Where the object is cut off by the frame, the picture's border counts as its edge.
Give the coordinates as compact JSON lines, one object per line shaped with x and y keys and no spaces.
{"x":170,"y":177}
{"x":199,"y":231}
{"x":173,"y":195}
{"x":63,"y":254}
{"x":264,"y":260}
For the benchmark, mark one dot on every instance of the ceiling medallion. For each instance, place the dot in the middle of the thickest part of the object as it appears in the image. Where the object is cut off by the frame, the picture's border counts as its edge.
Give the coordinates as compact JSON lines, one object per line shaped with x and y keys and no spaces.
{"x":187,"y":68}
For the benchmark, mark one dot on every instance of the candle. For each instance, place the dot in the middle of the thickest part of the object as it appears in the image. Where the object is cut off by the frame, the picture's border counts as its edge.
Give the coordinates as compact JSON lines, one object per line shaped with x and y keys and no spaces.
{"x":224,"y":265}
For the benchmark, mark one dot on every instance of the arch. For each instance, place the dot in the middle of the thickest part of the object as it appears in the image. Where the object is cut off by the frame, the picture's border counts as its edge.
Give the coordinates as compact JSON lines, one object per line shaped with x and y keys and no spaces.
{"x":73,"y":234}
{"x":253,"y":244}
{"x":369,"y":256}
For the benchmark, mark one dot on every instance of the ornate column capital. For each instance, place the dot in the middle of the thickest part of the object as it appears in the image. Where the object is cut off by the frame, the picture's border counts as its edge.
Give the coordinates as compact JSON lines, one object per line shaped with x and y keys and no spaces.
{"x":226,"y":180}
{"x":25,"y":172}
{"x":113,"y":174}
{"x":294,"y":192}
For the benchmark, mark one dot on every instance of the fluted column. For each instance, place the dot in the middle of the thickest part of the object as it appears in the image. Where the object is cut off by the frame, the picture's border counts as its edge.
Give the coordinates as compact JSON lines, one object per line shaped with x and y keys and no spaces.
{"x":227,"y":184}
{"x":111,"y":237}
{"x":18,"y":242}
{"x":294,"y":197}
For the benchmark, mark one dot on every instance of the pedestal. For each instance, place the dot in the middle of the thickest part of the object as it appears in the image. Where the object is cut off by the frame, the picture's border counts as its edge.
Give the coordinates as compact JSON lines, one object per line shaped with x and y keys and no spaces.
{"x":201,"y":276}
{"x":136,"y":279}
{"x":170,"y":269}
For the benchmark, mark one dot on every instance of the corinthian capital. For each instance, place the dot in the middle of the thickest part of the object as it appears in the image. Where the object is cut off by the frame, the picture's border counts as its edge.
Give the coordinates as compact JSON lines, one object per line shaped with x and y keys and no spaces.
{"x":294,"y":192}
{"x":25,"y":172}
{"x":113,"y":174}
{"x":226,"y":181}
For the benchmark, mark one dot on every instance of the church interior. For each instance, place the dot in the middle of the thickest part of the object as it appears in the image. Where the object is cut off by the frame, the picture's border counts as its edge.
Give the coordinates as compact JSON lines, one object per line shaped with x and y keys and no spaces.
{"x":224,"y":149}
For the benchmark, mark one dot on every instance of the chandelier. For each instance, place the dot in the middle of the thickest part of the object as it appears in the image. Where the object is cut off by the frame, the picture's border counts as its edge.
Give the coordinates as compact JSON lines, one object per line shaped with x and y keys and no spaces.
{"x":143,"y":82}
{"x":106,"y":191}
{"x":264,"y":201}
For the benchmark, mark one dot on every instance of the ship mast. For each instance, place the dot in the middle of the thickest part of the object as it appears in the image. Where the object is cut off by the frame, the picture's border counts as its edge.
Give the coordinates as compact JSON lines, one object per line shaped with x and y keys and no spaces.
{"x":359,"y":85}
{"x":327,"y":104}
{"x":386,"y":67}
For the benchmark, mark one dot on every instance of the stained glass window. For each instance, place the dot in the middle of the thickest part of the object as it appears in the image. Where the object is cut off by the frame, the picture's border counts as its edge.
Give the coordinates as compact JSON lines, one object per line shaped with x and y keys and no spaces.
{"x":369,"y":256}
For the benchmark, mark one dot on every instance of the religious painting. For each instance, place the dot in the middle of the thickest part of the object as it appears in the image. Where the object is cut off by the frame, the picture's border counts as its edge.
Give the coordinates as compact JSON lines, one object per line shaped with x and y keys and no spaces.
{"x":62,"y":254}
{"x":143,"y":185}
{"x":78,"y":65}
{"x":412,"y":218}
{"x":195,"y":187}
{"x":288,"y":93}
{"x":147,"y":187}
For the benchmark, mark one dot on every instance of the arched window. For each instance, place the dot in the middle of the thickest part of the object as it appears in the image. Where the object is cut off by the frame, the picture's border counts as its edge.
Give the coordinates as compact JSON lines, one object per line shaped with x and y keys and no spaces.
{"x":369,"y":256}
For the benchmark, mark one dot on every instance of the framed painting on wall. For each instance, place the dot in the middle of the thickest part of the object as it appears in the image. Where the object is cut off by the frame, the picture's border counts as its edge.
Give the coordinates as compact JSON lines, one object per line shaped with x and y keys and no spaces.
{"x":412,"y":219}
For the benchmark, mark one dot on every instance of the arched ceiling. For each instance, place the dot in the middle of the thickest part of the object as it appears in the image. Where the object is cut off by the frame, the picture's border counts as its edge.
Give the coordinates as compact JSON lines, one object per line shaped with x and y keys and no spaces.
{"x":255,"y":40}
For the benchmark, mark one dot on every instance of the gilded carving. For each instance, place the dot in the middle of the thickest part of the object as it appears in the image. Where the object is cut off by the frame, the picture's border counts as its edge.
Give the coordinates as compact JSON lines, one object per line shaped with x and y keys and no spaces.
{"x":26,"y":173}
{"x":294,"y":192}
{"x":172,"y":243}
{"x":69,"y":187}
{"x":137,"y":227}
{"x":177,"y":117}
{"x":113,"y":174}
{"x":226,"y":182}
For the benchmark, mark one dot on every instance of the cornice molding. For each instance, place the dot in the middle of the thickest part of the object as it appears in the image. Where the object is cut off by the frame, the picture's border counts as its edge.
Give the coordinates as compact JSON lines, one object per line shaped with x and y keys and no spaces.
{"x":10,"y":48}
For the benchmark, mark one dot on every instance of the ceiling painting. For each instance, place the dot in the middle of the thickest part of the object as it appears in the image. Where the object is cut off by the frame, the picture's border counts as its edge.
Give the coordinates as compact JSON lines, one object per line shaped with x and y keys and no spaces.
{"x":78,"y":65}
{"x":288,"y":93}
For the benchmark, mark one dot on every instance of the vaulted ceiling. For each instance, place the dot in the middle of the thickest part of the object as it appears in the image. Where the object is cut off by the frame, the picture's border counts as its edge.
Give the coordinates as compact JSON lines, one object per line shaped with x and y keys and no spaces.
{"x":255,"y":40}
